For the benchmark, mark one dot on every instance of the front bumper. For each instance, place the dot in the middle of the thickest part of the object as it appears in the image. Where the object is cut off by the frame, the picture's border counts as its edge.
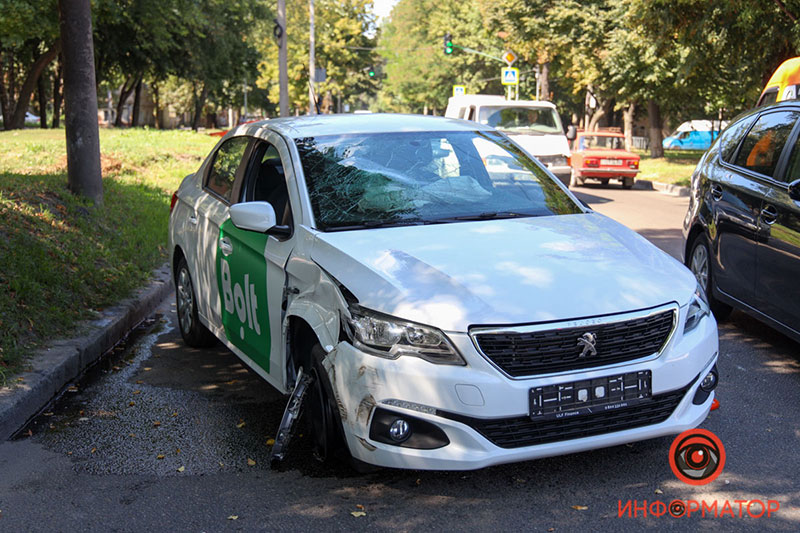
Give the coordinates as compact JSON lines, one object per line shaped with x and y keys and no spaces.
{"x":562,"y":172}
{"x":451,"y":396}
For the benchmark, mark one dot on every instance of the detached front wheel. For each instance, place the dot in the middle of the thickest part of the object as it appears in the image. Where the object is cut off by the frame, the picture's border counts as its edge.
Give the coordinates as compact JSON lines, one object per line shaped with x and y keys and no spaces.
{"x":321,"y":410}
{"x":194,"y":333}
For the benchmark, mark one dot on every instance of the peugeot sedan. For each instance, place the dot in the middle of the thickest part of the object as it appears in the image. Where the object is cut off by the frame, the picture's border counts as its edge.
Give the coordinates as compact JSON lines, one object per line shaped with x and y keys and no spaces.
{"x":428,"y":309}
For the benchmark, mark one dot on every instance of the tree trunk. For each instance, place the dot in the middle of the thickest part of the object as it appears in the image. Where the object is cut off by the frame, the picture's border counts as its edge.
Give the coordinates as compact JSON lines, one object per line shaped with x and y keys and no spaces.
{"x":627,"y":116}
{"x":199,"y":102}
{"x":157,"y":107}
{"x":599,"y":113}
{"x":137,"y":97}
{"x":544,"y":80}
{"x":41,"y":92}
{"x":654,"y":128}
{"x":5,"y":104}
{"x":26,"y":91}
{"x":57,"y":94}
{"x":80,"y":97}
{"x":124,"y":93}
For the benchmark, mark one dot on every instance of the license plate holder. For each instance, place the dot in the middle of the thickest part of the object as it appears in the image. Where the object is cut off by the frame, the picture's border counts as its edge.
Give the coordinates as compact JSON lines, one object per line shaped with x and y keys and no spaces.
{"x":590,"y":396}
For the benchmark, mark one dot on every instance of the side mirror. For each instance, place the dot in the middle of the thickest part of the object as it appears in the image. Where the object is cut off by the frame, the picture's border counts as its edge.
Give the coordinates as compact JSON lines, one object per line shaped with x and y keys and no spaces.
{"x":572,"y":132}
{"x":794,"y":190}
{"x":258,"y":217}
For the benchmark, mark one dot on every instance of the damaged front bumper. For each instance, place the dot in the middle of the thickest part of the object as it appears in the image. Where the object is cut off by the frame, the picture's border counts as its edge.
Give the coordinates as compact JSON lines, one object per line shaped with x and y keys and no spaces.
{"x":474,"y":416}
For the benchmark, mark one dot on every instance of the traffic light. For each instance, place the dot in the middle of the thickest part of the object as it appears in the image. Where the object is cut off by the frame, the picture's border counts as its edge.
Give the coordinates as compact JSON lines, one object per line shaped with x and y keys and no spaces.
{"x":448,"y":44}
{"x":371,"y":72}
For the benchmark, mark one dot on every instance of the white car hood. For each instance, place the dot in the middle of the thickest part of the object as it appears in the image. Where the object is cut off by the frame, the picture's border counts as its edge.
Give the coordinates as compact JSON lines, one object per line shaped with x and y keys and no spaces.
{"x":510,"y":271}
{"x":541,"y":144}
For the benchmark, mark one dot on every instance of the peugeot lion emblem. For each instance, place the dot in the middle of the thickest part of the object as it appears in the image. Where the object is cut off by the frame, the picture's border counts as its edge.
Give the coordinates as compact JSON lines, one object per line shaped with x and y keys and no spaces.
{"x":587,"y":341}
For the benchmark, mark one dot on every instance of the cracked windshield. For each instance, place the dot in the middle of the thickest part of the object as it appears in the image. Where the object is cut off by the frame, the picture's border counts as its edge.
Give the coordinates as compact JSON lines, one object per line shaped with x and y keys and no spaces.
{"x":388,"y":179}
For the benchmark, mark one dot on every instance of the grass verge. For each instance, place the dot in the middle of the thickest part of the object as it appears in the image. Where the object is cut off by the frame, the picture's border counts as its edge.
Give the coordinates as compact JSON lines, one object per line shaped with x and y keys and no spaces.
{"x":62,"y":259}
{"x":675,"y":167}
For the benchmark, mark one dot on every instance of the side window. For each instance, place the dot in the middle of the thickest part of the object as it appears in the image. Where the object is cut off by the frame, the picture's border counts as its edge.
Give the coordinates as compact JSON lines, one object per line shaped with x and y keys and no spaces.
{"x":266,"y":182}
{"x":222,"y":174}
{"x":793,"y":170}
{"x":730,"y":137}
{"x":770,"y":96}
{"x":762,"y":146}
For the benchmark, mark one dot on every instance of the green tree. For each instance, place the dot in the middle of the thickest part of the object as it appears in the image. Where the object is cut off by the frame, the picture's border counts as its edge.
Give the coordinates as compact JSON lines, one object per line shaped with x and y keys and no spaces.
{"x":343,"y":47}
{"x":28,"y":43}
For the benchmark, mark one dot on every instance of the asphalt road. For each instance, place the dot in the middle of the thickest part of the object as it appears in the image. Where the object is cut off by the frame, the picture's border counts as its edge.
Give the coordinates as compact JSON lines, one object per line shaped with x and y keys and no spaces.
{"x":162,"y":437}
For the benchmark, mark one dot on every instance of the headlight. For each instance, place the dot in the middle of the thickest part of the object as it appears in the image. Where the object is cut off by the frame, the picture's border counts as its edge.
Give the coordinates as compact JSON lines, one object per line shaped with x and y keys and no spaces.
{"x":698,"y":308}
{"x":390,"y":337}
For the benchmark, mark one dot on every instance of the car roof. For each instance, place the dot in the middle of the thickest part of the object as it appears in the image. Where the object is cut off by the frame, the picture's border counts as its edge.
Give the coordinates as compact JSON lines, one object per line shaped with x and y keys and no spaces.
{"x":341,"y":124}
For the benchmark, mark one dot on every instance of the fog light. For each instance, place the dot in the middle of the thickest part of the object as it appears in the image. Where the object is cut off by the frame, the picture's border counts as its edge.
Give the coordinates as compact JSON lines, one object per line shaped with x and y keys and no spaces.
{"x":709,"y":382}
{"x":399,"y":430}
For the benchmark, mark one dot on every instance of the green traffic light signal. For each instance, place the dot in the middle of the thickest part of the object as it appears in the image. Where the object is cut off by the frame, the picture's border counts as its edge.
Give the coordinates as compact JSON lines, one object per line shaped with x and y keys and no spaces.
{"x":371,"y":73}
{"x":448,"y":44}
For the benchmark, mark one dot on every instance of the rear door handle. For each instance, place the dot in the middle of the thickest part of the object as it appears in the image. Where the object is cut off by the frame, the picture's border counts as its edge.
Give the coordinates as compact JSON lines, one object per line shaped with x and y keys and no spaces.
{"x":716,"y":191}
{"x":769,"y":214}
{"x":226,"y":246}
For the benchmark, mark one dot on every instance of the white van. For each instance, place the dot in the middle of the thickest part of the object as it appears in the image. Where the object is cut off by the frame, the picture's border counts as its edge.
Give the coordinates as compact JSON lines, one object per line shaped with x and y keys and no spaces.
{"x":534,"y":125}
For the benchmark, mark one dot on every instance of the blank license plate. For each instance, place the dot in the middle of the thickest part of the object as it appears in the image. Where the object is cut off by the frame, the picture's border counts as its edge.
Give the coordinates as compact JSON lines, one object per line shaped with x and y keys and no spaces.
{"x":590,"y":396}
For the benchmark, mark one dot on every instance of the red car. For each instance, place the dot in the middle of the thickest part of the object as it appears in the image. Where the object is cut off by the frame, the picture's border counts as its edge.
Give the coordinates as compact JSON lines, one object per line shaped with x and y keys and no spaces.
{"x":601,"y":155}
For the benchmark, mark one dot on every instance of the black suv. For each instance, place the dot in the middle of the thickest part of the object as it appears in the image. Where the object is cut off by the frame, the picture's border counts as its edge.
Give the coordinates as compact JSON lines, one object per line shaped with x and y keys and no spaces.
{"x":742,"y":229}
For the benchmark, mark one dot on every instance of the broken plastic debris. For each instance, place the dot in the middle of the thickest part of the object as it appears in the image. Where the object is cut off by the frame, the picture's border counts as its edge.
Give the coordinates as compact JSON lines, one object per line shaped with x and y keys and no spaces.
{"x":290,"y":417}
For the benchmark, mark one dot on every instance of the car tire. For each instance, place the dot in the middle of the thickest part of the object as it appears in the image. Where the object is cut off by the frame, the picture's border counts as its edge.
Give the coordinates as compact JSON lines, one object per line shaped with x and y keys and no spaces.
{"x":194,"y":333}
{"x":627,"y":183}
{"x":699,"y":262}
{"x":324,"y":424}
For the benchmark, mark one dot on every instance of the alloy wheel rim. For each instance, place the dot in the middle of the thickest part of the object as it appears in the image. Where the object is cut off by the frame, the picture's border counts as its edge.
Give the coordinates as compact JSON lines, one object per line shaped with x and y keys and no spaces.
{"x":185,"y":300}
{"x":700,"y":265}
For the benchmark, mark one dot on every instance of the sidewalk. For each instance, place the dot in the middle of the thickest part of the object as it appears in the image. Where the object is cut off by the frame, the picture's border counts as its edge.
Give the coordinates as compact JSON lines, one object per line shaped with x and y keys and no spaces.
{"x":51,"y":369}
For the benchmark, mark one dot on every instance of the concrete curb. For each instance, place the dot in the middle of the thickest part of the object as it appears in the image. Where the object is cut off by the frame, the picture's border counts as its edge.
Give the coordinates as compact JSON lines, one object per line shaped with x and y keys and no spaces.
{"x":65,"y":359}
{"x":667,"y":188}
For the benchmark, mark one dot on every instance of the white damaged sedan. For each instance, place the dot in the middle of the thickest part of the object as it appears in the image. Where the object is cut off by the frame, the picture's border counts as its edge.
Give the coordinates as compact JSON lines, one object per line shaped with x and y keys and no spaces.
{"x":432,"y":297}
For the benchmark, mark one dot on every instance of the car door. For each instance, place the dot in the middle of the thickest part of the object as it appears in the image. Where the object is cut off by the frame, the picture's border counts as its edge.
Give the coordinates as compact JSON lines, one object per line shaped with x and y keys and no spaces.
{"x":778,"y":261}
{"x":734,"y":203}
{"x":250,"y":269}
{"x":211,"y":210}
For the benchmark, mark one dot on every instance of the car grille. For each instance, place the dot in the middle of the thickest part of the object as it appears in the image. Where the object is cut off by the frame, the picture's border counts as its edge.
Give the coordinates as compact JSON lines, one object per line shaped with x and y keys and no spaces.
{"x":522,"y":431}
{"x":558,"y":350}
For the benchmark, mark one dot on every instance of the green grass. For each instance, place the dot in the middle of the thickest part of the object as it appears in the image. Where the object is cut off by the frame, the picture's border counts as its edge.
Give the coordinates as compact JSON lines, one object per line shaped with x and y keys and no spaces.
{"x":675,"y":167}
{"x":61,"y":259}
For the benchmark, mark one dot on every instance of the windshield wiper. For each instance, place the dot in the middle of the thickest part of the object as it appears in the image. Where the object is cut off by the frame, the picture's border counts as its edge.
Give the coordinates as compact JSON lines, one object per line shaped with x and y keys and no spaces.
{"x":370,"y":224}
{"x":488,"y":215}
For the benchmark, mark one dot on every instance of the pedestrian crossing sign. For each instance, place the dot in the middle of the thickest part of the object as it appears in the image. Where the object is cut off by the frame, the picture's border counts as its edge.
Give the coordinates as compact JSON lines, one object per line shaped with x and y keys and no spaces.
{"x":510,"y":76}
{"x":459,"y":90}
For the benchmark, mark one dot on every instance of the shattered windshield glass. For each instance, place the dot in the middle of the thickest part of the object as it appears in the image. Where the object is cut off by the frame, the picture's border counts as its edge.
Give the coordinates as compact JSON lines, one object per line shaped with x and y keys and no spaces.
{"x":379,"y":179}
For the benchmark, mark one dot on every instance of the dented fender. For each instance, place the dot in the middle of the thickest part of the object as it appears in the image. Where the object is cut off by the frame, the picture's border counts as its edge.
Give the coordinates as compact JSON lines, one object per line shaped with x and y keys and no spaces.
{"x":314,"y":296}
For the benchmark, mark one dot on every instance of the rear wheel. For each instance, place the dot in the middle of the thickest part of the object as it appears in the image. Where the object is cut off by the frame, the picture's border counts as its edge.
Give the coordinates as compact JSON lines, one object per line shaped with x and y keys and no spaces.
{"x":194,"y":333}
{"x":699,"y":262}
{"x":627,"y":183}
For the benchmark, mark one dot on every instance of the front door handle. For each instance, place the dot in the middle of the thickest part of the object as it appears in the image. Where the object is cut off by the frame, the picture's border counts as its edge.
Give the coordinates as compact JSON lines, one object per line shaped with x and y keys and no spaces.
{"x":193,"y":220}
{"x":716,"y":191}
{"x":769,"y":214}
{"x":226,"y":246}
